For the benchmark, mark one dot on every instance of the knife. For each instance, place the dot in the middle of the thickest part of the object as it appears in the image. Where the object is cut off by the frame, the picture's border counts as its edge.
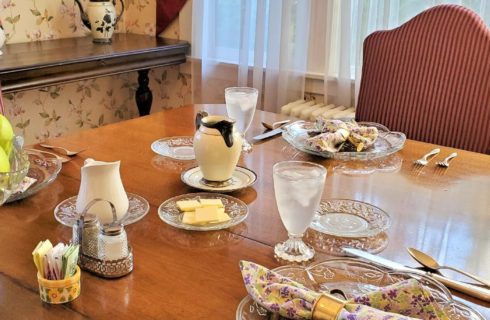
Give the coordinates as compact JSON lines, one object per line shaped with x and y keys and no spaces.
{"x":469,"y":289}
{"x":268,"y":134}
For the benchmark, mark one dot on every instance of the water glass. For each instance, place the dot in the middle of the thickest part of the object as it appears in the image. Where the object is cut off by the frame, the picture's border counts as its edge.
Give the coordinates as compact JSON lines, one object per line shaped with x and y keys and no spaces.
{"x":240,"y":105}
{"x":298,"y":186}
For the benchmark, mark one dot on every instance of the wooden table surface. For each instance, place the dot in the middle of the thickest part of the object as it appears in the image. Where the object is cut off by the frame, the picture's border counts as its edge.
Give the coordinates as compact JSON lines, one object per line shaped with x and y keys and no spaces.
{"x":195,"y":275}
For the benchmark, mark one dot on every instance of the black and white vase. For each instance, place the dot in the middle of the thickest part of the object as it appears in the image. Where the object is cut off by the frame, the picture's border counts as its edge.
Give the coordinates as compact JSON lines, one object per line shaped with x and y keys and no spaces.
{"x":101,"y":18}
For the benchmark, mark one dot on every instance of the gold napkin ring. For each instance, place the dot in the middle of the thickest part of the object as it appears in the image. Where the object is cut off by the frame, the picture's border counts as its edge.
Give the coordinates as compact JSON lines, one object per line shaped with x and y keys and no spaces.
{"x":327,"y":308}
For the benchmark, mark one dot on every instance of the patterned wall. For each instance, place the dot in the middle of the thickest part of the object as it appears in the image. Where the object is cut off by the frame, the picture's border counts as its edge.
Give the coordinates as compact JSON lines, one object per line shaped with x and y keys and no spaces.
{"x":53,"y":111}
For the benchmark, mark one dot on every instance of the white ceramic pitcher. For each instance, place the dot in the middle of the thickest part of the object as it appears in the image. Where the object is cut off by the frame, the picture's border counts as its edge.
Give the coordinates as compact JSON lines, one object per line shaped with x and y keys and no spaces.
{"x":217,"y":146}
{"x":102,"y":180}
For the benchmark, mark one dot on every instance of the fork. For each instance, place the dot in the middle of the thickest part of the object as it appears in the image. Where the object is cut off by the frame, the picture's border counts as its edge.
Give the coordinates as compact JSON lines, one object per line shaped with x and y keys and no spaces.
{"x":67,"y":152}
{"x":445,"y":163}
{"x":425,"y":159}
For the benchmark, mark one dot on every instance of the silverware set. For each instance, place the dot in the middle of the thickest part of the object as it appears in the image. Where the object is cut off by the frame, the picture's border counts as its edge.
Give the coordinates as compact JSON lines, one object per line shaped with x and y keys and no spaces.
{"x":474,"y":290}
{"x":424,"y":161}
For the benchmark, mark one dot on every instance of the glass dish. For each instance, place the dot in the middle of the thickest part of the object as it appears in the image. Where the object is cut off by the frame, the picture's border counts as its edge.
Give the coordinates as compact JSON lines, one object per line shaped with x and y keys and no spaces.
{"x":66,"y":211}
{"x":44,"y":167}
{"x":235,"y":208}
{"x":350,"y":219}
{"x":18,"y":166}
{"x":241,"y":179}
{"x":387,"y":142}
{"x":180,"y":148}
{"x":334,"y":246}
{"x":353,"y":277}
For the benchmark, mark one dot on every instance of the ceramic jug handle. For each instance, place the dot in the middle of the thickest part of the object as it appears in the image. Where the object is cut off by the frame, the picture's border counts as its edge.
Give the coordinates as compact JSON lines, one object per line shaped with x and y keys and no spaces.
{"x":200,"y":114}
{"x":91,"y":203}
{"x":122,"y":10}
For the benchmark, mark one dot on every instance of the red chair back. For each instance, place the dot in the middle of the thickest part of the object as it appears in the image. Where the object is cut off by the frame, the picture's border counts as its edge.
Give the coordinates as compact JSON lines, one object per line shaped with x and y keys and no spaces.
{"x":430,"y":78}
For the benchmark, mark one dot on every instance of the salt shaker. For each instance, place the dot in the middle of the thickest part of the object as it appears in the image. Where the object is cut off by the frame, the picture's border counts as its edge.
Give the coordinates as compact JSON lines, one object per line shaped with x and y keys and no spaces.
{"x":113,"y":242}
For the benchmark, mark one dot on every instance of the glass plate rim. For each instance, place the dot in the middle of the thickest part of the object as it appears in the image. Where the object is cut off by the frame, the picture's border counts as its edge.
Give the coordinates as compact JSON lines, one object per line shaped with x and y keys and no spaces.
{"x":31,"y":191}
{"x":170,"y":156}
{"x":349,"y":155}
{"x":210,"y":189}
{"x":365,"y":235}
{"x":208,"y":228}
{"x":124,"y":220}
{"x":371,"y":266}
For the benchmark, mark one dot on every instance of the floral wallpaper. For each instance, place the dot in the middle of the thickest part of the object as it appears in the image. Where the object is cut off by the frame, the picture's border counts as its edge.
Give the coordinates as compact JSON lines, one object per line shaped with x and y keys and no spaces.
{"x":55,"y":110}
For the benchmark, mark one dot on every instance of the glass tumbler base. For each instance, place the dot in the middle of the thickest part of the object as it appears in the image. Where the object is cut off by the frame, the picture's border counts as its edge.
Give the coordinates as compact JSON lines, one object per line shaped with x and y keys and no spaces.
{"x":294,"y":250}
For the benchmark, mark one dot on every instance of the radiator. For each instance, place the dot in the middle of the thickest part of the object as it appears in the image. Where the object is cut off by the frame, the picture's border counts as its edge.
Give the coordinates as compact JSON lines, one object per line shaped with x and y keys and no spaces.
{"x":309,"y":110}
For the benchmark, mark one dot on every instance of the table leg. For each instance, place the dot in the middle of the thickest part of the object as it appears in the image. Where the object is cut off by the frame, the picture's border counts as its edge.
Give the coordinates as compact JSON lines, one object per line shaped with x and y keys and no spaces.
{"x":144,"y":97}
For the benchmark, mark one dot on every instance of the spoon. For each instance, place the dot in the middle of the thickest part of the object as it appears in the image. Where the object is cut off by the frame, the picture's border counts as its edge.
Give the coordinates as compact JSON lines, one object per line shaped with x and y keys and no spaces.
{"x":429,"y":262}
{"x":275,"y":125}
{"x":67,"y":152}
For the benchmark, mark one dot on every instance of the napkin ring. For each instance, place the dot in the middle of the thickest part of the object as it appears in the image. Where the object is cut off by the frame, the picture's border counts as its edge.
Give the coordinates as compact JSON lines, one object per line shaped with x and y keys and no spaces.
{"x":327,"y":307}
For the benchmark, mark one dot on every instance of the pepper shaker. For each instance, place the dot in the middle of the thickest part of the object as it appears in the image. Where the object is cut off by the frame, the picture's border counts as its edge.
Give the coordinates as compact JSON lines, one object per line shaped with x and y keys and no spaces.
{"x":85,"y":233}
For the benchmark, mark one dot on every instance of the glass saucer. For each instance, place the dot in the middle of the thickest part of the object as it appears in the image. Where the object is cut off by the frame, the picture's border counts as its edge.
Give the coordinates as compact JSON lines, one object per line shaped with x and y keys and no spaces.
{"x":180,"y":148}
{"x":241,"y":179}
{"x":333,"y":245}
{"x":66,"y":211}
{"x":354,"y":277}
{"x":235,"y":208}
{"x":44,"y":167}
{"x":350,"y":219}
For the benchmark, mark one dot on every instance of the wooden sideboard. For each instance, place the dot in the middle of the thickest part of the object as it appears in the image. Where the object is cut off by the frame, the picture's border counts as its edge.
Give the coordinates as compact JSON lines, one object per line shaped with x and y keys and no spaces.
{"x":32,"y":65}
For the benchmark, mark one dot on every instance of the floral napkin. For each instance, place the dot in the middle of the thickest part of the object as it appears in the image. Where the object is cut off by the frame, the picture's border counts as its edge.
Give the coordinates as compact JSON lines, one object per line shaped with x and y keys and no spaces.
{"x":401,"y":301}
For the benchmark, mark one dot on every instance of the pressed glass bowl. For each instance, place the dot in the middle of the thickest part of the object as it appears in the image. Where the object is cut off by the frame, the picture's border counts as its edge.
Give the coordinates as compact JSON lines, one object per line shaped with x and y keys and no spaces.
{"x":9,"y":181}
{"x":355,"y":277}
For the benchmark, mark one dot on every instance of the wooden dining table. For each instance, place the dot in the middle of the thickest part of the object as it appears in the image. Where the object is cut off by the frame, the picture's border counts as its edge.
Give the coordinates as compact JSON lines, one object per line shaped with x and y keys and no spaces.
{"x":182,"y":274}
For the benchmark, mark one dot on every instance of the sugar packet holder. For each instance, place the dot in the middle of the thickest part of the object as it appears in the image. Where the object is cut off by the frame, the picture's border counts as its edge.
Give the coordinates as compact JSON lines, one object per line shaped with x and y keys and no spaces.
{"x":93,"y":264}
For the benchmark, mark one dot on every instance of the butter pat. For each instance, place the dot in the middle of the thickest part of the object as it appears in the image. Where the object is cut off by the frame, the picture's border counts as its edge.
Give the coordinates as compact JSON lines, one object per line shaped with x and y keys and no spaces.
{"x":223,"y":216}
{"x":206,"y":215}
{"x":211,"y":202}
{"x":188,"y":205}
{"x":188,"y":217}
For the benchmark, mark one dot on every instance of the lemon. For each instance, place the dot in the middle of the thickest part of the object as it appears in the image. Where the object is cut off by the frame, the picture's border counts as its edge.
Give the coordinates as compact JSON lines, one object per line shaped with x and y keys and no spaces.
{"x":6,"y":135}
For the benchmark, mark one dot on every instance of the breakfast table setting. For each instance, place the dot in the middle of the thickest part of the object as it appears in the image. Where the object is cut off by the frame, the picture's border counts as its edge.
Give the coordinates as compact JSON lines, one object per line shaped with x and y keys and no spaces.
{"x":221,"y":211}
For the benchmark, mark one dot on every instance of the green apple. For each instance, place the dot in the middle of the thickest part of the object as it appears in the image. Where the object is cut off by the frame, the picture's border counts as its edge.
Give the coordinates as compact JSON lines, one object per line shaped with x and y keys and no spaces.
{"x":4,"y":161}
{"x":6,"y":135}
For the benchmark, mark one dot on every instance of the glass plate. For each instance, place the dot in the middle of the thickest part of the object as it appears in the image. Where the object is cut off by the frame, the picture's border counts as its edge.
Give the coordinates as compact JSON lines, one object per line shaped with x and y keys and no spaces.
{"x":180,"y":148}
{"x":66,"y":211}
{"x":387,"y":142}
{"x":44,"y":167}
{"x":334,"y":246}
{"x":353,"y":277}
{"x":242,"y":178}
{"x":170,"y":214}
{"x":350,"y":219}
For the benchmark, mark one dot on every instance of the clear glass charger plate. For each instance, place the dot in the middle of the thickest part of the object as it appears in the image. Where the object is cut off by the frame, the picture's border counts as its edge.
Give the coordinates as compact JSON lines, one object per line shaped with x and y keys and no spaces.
{"x":387,"y":143}
{"x":44,"y":167}
{"x":170,"y":214}
{"x":350,"y":219}
{"x":66,"y":211}
{"x":180,"y":148}
{"x":354,"y":277}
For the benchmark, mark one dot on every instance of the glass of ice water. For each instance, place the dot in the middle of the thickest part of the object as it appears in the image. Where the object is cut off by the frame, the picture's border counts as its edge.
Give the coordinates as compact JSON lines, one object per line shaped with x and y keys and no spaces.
{"x":240,"y":105}
{"x":298,"y":186}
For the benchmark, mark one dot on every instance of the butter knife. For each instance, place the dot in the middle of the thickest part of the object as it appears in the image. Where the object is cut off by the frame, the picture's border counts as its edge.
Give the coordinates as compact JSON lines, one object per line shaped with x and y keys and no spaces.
{"x":469,"y":289}
{"x":268,"y":134}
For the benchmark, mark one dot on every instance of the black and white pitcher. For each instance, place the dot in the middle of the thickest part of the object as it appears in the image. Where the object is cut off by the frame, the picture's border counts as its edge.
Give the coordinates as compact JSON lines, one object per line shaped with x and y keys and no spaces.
{"x":100,"y":17}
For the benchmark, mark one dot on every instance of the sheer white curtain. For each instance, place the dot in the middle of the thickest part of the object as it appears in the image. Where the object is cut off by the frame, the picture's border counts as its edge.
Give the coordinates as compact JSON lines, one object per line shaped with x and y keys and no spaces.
{"x":257,"y":43}
{"x":274,"y":45}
